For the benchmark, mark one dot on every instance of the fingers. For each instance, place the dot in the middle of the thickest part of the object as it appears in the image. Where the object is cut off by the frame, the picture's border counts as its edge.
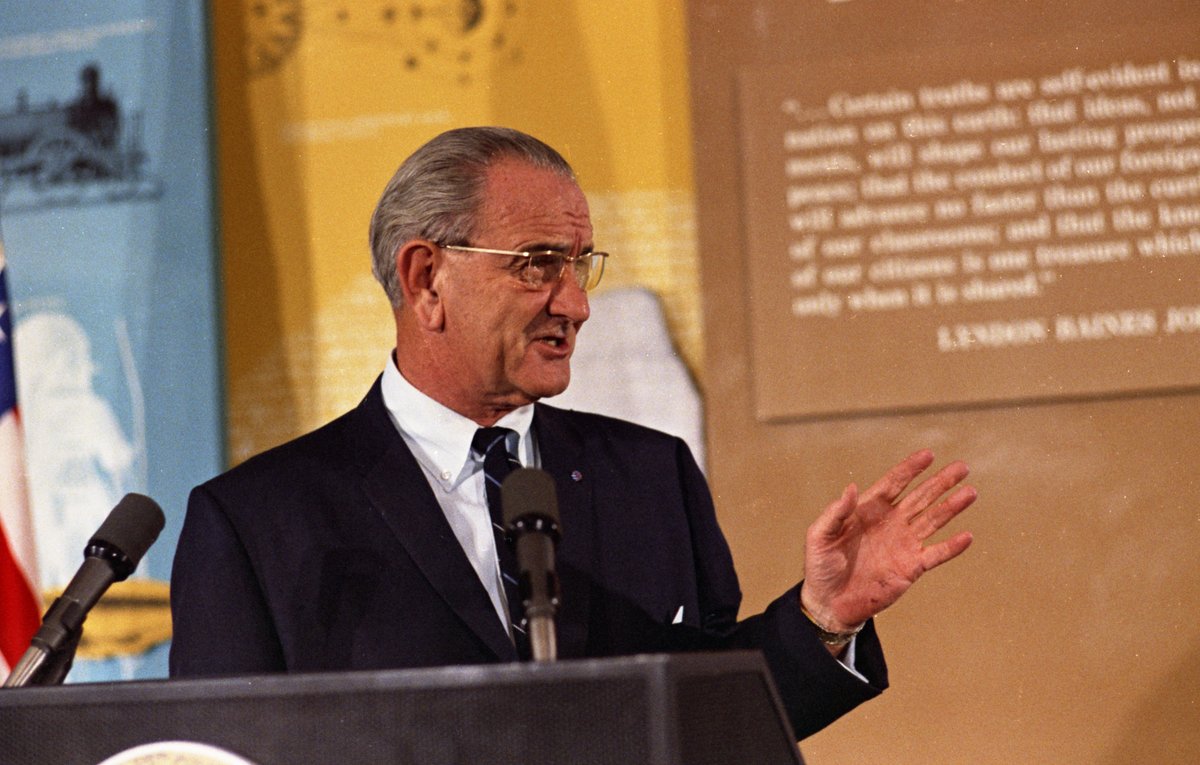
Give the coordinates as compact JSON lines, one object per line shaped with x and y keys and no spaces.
{"x":926,"y":523}
{"x":935,"y":555}
{"x":896,"y":480}
{"x":930,"y":489}
{"x":915,"y":507}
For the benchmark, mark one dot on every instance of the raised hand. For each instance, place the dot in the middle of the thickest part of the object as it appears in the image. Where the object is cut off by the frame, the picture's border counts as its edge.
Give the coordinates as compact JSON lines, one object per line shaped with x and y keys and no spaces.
{"x":864,"y":551}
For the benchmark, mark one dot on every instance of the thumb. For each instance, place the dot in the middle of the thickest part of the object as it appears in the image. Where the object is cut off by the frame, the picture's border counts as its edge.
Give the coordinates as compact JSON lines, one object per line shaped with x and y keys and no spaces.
{"x":833,"y":517}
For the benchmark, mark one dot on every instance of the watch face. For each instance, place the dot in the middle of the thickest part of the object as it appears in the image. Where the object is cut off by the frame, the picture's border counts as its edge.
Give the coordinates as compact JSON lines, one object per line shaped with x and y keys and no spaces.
{"x":273,"y":28}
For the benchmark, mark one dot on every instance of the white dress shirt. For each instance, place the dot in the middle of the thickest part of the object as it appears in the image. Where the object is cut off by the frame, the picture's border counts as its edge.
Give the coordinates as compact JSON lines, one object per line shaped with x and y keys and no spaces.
{"x":440,"y":440}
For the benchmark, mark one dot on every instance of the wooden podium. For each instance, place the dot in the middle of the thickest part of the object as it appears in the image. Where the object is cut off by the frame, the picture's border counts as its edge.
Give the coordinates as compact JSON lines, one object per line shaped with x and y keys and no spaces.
{"x":692,"y":709}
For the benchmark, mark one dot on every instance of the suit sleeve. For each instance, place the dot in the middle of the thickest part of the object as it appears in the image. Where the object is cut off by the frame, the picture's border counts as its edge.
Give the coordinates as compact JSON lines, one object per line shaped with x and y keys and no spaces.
{"x":221,"y":622}
{"x":815,"y":688}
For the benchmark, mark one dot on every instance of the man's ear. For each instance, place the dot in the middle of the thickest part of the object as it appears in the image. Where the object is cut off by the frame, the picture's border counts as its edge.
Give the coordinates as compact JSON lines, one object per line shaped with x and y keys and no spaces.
{"x":417,"y":265}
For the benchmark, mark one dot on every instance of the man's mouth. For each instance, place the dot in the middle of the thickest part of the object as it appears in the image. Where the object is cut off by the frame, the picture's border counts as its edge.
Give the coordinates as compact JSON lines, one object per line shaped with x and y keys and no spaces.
{"x":555,"y":339}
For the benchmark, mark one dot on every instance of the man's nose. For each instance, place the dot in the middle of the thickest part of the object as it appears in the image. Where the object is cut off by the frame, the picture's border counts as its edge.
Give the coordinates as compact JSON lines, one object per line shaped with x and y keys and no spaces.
{"x":568,"y":299}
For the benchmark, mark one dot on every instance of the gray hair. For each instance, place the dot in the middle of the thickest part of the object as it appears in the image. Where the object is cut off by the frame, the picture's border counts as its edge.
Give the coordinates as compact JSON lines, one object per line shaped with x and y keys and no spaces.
{"x":437,"y":192}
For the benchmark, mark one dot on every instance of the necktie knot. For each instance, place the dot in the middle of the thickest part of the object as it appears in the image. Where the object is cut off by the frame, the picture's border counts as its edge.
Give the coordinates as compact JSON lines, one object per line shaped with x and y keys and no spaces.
{"x":498,"y":461}
{"x":487,"y":439}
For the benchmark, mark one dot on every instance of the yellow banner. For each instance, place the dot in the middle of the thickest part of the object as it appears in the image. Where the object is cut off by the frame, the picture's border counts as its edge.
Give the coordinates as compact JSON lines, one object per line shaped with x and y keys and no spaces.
{"x":317,"y":104}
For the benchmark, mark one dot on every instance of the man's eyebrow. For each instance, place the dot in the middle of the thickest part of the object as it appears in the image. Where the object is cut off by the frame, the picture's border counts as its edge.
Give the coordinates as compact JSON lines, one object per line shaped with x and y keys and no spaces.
{"x":555,"y":247}
{"x":539,"y":246}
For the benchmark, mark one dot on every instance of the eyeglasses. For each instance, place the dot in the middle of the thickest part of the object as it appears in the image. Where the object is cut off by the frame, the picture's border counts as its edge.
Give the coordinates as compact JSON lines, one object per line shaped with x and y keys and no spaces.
{"x":543,"y":268}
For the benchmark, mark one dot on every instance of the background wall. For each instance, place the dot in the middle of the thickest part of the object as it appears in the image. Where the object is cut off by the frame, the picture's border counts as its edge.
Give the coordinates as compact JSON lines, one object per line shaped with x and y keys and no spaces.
{"x":1066,"y":633}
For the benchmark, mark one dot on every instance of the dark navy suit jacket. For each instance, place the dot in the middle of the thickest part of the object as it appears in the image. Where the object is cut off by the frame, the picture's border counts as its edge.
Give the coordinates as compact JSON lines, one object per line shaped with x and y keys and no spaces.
{"x":331,"y":553}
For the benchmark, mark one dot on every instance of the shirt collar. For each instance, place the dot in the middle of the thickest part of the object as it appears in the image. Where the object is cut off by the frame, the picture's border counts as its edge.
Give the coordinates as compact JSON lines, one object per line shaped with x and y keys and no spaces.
{"x":440,"y":437}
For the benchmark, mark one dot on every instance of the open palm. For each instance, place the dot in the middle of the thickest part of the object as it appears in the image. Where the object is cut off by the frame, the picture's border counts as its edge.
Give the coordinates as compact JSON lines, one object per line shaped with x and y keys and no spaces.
{"x":865,"y":550}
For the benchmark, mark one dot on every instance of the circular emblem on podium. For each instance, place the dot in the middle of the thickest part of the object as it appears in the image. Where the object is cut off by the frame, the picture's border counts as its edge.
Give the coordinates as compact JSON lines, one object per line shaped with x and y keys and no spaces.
{"x":176,"y":753}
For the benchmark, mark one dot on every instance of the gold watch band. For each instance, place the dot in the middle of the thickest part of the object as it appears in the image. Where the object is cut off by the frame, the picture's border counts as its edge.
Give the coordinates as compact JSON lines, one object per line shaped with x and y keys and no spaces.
{"x":828,"y":637}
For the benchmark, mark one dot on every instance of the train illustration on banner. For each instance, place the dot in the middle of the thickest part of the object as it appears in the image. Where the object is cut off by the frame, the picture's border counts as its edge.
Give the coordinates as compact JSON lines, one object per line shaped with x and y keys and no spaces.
{"x":85,"y":150}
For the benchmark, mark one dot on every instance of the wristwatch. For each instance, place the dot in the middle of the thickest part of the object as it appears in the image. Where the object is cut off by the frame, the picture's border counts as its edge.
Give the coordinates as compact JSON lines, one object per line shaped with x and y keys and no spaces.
{"x":831,"y":639}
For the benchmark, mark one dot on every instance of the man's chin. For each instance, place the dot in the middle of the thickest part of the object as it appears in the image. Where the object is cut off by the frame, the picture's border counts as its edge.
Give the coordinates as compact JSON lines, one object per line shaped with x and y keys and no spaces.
{"x":548,"y":387}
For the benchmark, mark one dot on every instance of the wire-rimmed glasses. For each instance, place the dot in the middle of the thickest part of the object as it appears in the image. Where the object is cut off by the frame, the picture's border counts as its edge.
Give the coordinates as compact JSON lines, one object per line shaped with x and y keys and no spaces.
{"x":543,"y":268}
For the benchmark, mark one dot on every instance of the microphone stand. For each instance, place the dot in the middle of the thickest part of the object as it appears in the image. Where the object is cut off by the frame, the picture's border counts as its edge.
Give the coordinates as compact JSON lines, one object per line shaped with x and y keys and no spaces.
{"x":40,"y":667}
{"x":541,"y":638}
{"x":536,"y":536}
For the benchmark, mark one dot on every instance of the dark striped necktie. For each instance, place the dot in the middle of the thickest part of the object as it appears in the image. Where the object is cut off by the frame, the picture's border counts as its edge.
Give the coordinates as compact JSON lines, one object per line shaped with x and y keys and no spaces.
{"x":498,"y":462}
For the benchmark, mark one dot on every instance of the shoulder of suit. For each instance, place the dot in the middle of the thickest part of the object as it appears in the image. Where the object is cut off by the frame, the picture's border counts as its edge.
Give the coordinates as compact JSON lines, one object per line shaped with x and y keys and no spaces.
{"x":322,"y":450}
{"x":601,"y":424}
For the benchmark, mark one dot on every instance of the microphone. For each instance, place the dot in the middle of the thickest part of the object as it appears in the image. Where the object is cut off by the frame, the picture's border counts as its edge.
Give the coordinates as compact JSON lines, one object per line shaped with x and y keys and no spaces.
{"x":111,"y":556}
{"x":530,"y":508}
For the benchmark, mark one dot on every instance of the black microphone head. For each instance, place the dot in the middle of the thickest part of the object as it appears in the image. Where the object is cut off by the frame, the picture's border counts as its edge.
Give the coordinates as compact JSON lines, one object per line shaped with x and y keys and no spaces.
{"x":128,"y":531}
{"x":528,"y":492}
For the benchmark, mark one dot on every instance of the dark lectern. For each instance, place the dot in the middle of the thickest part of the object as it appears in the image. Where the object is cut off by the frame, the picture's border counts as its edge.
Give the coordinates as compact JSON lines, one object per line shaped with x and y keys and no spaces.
{"x":692,"y":709}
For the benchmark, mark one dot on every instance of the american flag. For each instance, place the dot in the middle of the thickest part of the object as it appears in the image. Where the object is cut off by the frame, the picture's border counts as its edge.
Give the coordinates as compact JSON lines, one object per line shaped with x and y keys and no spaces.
{"x":20,"y":613}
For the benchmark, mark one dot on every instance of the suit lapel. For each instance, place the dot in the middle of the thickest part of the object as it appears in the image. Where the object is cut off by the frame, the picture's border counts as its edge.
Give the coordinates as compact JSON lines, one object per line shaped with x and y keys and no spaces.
{"x":562,"y":453}
{"x":396,"y":486}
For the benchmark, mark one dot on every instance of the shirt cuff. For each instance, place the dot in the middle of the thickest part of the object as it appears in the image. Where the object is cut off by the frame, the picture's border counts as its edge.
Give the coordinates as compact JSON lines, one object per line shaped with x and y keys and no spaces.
{"x":847,"y":659}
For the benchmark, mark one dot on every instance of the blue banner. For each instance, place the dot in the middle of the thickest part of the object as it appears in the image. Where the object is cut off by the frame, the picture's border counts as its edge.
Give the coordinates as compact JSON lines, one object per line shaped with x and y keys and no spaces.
{"x":106,"y":217}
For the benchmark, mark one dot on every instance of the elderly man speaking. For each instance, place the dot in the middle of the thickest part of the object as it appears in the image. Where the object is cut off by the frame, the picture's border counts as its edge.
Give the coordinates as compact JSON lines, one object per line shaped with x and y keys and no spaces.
{"x":368,"y":543}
